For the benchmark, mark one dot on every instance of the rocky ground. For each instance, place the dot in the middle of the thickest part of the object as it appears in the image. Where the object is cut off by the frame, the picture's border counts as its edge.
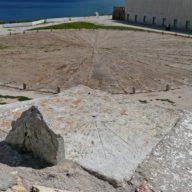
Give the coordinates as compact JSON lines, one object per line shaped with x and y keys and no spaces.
{"x":138,"y":138}
{"x":120,"y":62}
{"x":118,"y":145}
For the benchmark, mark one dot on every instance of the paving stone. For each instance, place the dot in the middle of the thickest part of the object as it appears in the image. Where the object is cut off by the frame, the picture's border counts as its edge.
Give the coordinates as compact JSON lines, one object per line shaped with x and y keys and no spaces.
{"x":169,"y":167}
{"x":107,"y":135}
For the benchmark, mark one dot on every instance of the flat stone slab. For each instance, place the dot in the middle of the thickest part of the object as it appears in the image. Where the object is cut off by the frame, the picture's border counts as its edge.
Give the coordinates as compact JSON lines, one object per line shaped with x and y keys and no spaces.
{"x":107,"y":135}
{"x":169,"y":167}
{"x":7,"y":180}
{"x":37,"y":188}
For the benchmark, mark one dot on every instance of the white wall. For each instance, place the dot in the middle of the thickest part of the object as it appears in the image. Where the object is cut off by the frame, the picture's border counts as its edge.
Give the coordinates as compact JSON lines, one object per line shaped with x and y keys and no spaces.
{"x":25,"y":24}
{"x":169,"y":9}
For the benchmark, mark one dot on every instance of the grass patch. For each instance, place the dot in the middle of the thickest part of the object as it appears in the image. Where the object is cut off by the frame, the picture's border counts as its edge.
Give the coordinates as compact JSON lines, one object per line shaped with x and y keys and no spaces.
{"x":3,"y":103}
{"x":85,"y":25}
{"x":19,"y":98}
{"x":3,"y":46}
{"x":167,"y":100}
{"x":143,"y":101}
{"x":23,"y":98}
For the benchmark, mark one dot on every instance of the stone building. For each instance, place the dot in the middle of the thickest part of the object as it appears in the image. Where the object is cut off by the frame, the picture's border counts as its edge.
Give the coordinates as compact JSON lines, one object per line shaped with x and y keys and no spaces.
{"x":176,"y":13}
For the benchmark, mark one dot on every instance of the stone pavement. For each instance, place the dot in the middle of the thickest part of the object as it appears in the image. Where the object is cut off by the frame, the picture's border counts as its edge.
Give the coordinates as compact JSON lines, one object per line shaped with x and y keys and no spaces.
{"x":121,"y":142}
{"x":169,"y":167}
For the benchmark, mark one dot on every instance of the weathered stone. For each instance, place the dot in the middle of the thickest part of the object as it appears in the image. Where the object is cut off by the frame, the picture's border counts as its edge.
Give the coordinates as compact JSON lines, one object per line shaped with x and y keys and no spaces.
{"x":6,"y":181}
{"x":108,"y":135}
{"x":30,"y":133}
{"x":169,"y":167}
{"x":37,"y":188}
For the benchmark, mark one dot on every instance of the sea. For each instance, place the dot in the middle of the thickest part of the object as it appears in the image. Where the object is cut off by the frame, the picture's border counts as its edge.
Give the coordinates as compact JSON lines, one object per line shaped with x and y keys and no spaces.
{"x":12,"y":10}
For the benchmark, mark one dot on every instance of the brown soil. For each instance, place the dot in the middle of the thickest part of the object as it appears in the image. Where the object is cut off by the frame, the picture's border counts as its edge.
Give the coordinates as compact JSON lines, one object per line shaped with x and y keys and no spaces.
{"x":114,"y":61}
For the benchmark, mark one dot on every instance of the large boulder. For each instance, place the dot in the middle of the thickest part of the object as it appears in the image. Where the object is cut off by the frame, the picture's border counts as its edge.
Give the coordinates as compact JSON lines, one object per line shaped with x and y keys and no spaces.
{"x":30,"y":133}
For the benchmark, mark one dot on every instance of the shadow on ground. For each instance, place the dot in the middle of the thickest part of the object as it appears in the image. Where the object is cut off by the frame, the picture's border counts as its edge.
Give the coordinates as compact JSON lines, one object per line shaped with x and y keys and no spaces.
{"x":15,"y":158}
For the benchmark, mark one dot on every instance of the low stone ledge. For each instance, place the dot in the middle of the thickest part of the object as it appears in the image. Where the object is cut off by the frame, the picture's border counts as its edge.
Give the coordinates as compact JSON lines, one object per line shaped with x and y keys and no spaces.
{"x":37,"y":188}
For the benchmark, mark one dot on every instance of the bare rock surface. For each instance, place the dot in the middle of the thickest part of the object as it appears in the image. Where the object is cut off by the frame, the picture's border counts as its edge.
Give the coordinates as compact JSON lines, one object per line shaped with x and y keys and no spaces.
{"x":65,"y":176}
{"x":6,"y":181}
{"x":38,"y":188}
{"x":12,"y":157}
{"x":108,"y":136}
{"x":30,"y":133}
{"x":169,"y":167}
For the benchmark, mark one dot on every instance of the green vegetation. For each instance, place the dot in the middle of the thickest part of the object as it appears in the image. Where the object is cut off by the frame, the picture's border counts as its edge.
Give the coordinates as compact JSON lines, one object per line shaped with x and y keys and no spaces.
{"x":167,"y":100}
{"x":85,"y":25}
{"x":23,"y":98}
{"x":3,"y":46}
{"x":2,"y":22}
{"x":143,"y":101}
{"x":19,"y":98}
{"x":3,"y":103}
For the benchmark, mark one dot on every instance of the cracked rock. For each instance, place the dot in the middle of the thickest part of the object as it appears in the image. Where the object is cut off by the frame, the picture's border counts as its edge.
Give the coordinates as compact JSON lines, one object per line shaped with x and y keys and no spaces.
{"x":30,"y":133}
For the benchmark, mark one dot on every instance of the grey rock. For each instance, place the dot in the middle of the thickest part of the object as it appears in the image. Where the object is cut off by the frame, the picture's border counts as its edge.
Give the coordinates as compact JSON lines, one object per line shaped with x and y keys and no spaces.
{"x":169,"y":167}
{"x":6,"y":181}
{"x":30,"y":133}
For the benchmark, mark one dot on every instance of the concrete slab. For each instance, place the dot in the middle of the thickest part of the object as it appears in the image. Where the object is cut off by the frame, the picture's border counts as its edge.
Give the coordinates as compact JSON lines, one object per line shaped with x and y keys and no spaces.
{"x":169,"y":167}
{"x":108,"y":136}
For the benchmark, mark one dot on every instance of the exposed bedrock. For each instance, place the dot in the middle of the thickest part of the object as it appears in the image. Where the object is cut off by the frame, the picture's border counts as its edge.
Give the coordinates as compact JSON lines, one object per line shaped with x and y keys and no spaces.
{"x":30,"y":133}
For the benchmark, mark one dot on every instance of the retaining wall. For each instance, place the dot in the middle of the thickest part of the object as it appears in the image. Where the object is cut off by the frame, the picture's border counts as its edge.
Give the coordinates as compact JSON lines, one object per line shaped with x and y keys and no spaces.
{"x":25,"y":24}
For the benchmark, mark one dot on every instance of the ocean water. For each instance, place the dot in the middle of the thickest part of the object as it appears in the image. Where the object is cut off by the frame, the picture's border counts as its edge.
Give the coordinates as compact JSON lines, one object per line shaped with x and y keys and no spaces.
{"x":11,"y":10}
